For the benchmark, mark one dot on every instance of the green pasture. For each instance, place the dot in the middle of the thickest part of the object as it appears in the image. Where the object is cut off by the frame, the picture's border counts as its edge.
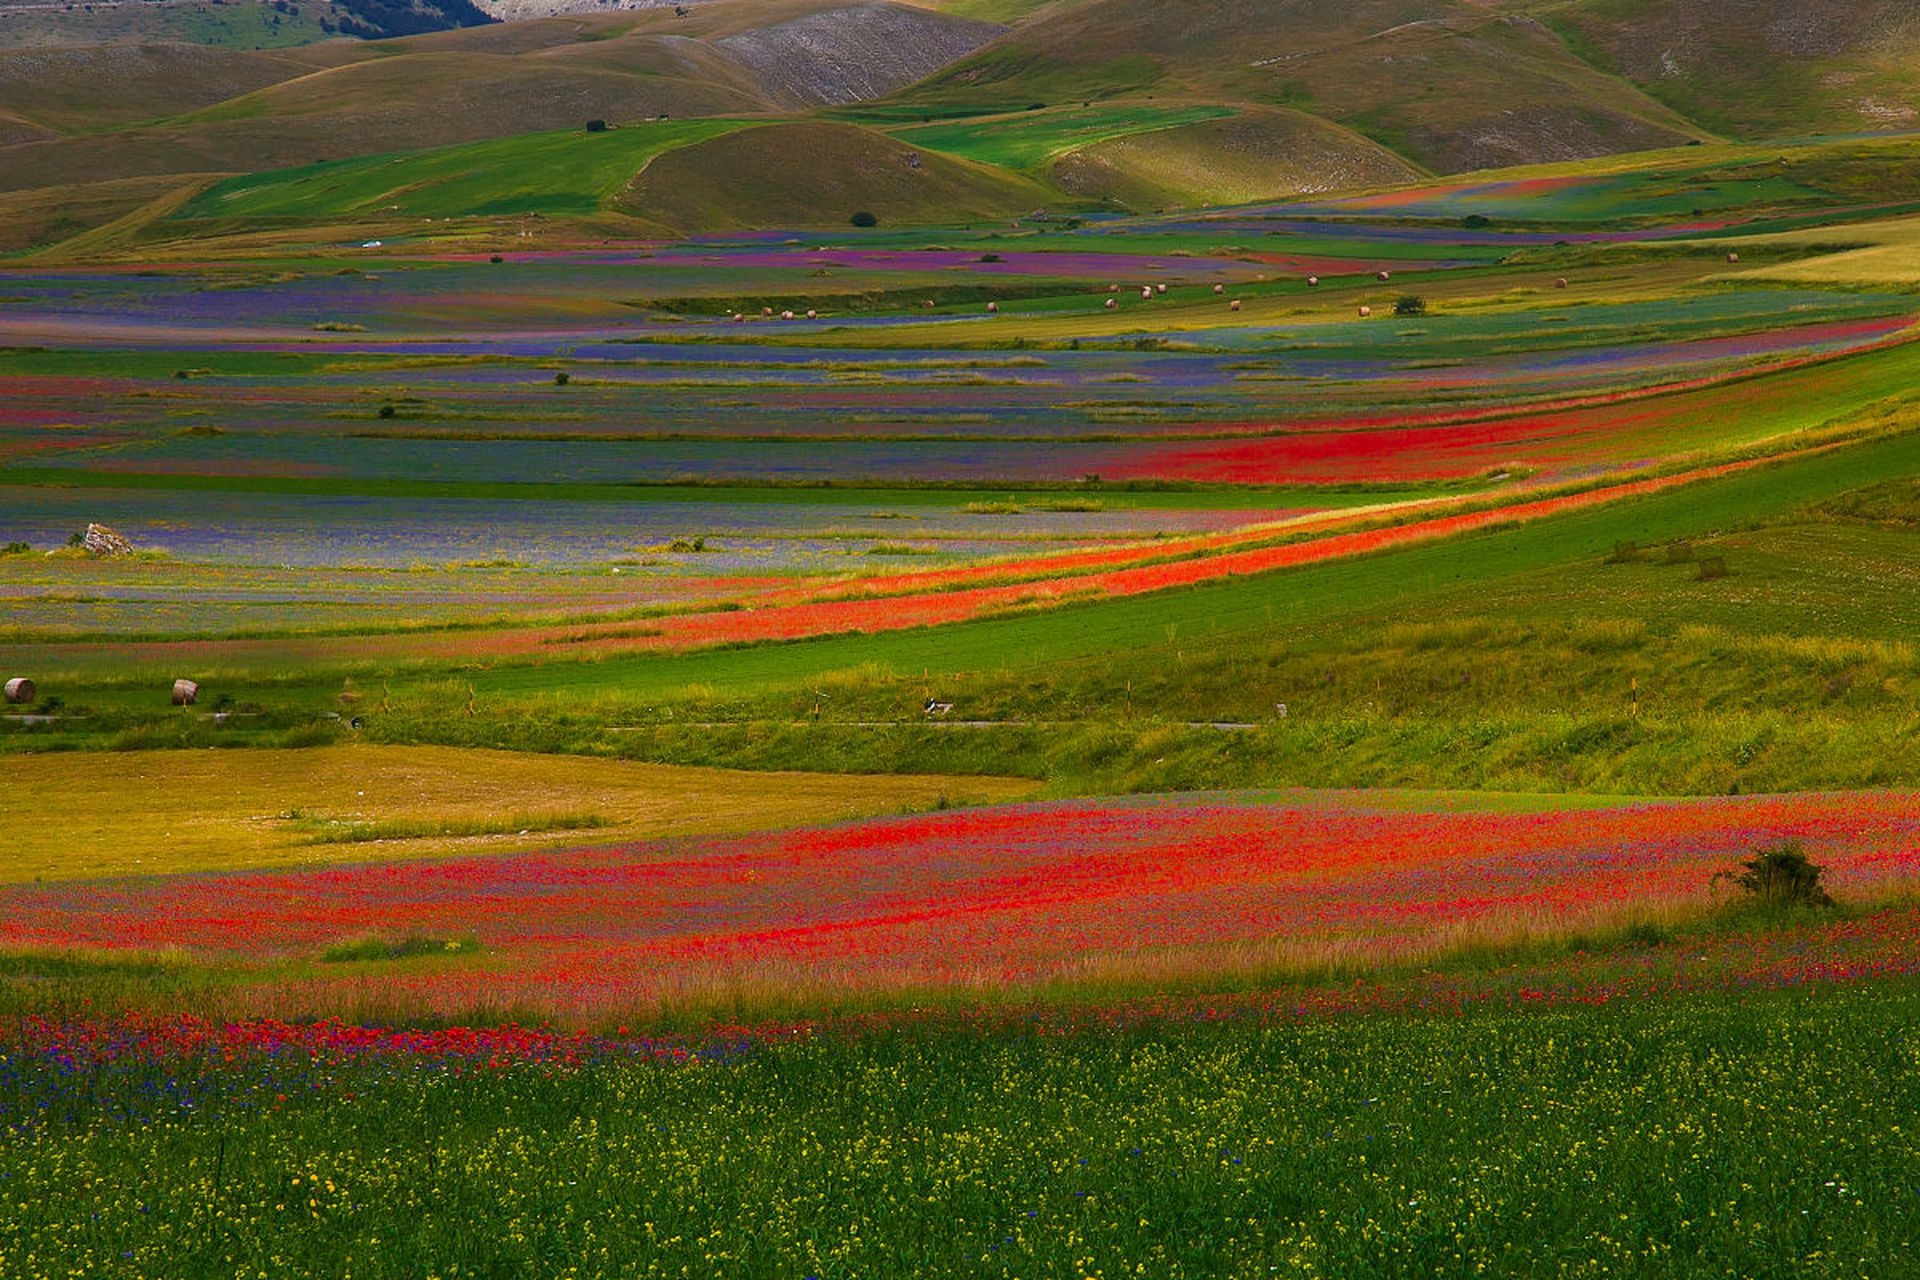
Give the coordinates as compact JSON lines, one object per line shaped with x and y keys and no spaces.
{"x":1027,"y":140}
{"x":1516,"y":659}
{"x":1714,"y":182}
{"x":1749,"y":1134}
{"x":1519,"y":659}
{"x":1292,"y":597}
{"x":1298,"y":595}
{"x":570,"y":172}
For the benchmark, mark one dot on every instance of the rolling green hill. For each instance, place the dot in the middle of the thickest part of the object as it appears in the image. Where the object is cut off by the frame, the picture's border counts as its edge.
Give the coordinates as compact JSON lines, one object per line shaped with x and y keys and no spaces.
{"x":1012,"y":104}
{"x":1028,"y":140}
{"x":1759,"y":68}
{"x":1448,"y":84}
{"x":151,"y":110}
{"x":1227,"y":160}
{"x":819,"y":174}
{"x":575,"y":172}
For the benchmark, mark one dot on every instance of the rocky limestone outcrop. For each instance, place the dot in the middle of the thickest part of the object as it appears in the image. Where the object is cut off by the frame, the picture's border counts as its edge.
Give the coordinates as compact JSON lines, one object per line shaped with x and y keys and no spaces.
{"x":102,"y":541}
{"x":856,"y":53}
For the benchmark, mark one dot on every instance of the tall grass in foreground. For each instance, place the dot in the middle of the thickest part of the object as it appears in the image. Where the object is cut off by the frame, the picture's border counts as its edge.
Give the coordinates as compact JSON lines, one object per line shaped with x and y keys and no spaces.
{"x":1723,"y":1135}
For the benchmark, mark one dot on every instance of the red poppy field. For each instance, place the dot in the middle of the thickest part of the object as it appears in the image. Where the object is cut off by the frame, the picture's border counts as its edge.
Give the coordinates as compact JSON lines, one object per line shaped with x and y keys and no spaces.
{"x":1363,"y":734}
{"x":1125,"y":893}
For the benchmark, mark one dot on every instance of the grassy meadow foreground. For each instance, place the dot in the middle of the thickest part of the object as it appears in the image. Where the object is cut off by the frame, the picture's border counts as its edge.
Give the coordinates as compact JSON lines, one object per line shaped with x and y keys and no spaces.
{"x":1179,"y":744}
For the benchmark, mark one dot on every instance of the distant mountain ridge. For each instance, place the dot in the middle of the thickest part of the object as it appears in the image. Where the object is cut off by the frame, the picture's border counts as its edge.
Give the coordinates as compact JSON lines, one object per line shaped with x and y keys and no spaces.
{"x":1072,"y":104}
{"x":241,"y":24}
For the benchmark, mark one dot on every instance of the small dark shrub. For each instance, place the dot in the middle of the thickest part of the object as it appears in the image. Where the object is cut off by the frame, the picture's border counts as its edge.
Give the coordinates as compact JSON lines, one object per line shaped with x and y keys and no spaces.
{"x":386,"y":411}
{"x":1624,"y":553}
{"x":16,"y":549}
{"x":865,"y":218}
{"x":1780,"y":875}
{"x":1713,"y":567}
{"x":1475,"y":221}
{"x":1410,"y":305}
{"x":562,"y":378}
{"x":496,"y":259}
{"x":1680,"y":553}
{"x":596,"y":126}
{"x":1647,"y":936}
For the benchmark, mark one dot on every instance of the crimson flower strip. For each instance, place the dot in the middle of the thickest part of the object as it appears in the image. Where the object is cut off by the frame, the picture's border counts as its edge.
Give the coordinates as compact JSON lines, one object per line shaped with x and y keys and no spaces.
{"x":928,"y":599}
{"x":1026,"y":894}
{"x":322,"y":1058}
{"x":889,"y":613}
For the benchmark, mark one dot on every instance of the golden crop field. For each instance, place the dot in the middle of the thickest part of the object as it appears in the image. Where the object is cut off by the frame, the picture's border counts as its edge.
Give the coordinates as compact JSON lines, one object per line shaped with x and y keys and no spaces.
{"x":170,"y":811}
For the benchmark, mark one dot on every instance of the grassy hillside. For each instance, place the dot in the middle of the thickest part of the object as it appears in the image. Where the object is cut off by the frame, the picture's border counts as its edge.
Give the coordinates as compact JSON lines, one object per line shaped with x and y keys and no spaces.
{"x":42,"y":217}
{"x":96,"y":89}
{"x":1137,"y":104}
{"x":1759,"y":68}
{"x":819,"y":174}
{"x":182,"y":109}
{"x":572,"y":172}
{"x":389,"y":105}
{"x":1030,"y":139}
{"x":14,"y":129}
{"x":1261,"y":152}
{"x":1446,"y":83}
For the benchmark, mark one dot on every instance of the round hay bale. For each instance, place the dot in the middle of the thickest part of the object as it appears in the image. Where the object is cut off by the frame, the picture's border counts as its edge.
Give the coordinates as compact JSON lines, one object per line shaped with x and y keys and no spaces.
{"x":1366,"y":313}
{"x":1111,"y":304}
{"x":1159,"y":288}
{"x":992,"y":307}
{"x":1384,"y":276}
{"x":1561,"y":283}
{"x":1219,"y":289}
{"x":1146,"y":293}
{"x":786,"y":315}
{"x":1313,"y":282}
{"x":19,"y":690}
{"x":766,"y":311}
{"x":1733,"y":257}
{"x":185,"y":693}
{"x":1234,"y":305}
{"x":812,"y":314}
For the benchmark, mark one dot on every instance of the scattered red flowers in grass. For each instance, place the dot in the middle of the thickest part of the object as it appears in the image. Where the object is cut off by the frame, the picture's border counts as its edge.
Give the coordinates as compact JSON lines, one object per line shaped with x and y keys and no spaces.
{"x":1883,"y":945}
{"x":1138,"y":889}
